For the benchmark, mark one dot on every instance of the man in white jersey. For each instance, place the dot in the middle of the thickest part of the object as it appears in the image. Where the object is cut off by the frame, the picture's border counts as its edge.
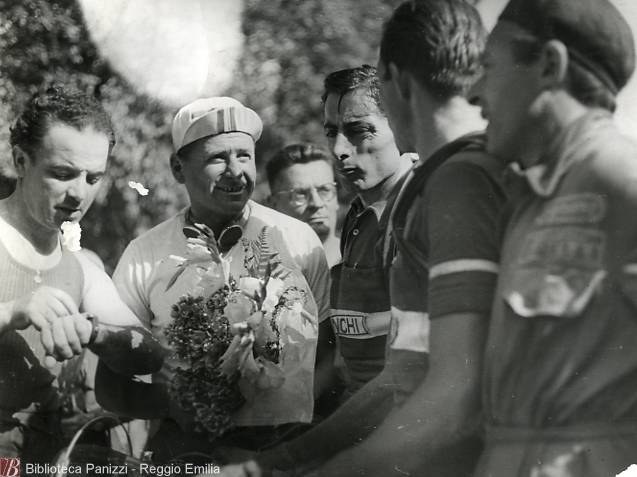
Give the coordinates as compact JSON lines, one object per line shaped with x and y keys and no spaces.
{"x":54,"y":302}
{"x":214,"y":141}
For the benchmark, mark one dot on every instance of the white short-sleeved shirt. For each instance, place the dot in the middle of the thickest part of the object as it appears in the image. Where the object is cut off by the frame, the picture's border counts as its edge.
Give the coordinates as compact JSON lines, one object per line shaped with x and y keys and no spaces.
{"x":149,"y":262}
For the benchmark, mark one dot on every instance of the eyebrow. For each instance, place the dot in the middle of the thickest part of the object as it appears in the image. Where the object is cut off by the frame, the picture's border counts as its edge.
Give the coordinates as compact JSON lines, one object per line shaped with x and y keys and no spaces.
{"x":75,"y":170}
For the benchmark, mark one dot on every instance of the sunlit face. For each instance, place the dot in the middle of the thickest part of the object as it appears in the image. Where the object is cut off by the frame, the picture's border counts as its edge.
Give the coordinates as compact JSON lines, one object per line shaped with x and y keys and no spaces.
{"x":360,"y":139}
{"x":310,"y":180}
{"x":219,"y":173}
{"x":60,"y":180}
{"x":506,"y":94}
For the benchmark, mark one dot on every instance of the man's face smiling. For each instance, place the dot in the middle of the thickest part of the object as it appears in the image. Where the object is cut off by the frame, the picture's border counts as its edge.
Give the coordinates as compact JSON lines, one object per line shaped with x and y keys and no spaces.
{"x":360,"y":139}
{"x":512,"y":120}
{"x":219,"y":173}
{"x":60,"y":180}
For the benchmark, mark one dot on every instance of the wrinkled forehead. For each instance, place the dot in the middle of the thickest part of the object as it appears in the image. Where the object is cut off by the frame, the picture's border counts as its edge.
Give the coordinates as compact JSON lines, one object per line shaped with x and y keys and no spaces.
{"x":313,"y":173}
{"x":226,"y":142}
{"x":351,"y":106}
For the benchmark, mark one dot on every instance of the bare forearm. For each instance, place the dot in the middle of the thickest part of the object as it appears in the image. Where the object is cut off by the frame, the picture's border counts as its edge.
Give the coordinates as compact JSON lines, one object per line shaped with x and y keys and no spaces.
{"x":128,"y":350}
{"x":439,"y":413}
{"x":411,"y":436}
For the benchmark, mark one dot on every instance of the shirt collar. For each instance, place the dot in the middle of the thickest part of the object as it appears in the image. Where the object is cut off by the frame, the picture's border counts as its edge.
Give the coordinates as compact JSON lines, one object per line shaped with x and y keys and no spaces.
{"x":563,"y":152}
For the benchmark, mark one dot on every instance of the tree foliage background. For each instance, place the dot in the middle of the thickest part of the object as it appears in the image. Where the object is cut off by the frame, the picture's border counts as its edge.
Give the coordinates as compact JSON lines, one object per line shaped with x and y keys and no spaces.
{"x":290,"y":46}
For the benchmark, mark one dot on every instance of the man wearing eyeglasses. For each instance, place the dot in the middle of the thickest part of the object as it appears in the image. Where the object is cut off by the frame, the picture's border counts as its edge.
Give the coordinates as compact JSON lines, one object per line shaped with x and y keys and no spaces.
{"x":301,"y":178}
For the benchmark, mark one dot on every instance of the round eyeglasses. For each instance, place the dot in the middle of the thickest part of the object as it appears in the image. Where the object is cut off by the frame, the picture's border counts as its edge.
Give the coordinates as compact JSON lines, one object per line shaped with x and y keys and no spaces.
{"x":300,"y":196}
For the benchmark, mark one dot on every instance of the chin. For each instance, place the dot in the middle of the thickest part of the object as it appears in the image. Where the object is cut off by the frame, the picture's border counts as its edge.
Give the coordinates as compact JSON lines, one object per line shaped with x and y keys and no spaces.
{"x":322,"y":230}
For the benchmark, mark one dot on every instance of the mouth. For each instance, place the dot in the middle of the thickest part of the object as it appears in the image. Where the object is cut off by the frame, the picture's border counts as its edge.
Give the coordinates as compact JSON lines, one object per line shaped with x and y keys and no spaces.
{"x":69,"y":210}
{"x":351,"y":173}
{"x":230,"y":188}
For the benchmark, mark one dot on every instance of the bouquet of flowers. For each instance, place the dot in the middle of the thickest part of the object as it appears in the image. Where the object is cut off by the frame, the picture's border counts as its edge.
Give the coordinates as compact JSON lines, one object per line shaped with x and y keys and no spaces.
{"x":230,"y":332}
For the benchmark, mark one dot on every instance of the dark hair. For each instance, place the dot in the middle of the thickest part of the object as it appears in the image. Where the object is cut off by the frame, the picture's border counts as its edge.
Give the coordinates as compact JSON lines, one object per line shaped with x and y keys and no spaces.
{"x":58,"y":104}
{"x":440,"y":42}
{"x":294,"y":154}
{"x":582,"y":83}
{"x":343,"y":81}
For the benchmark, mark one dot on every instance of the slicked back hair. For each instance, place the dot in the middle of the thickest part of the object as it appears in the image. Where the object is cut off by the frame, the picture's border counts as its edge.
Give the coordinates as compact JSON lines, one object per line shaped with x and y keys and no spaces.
{"x":294,"y":154}
{"x":58,"y":104}
{"x":363,"y":77}
{"x":440,"y":42}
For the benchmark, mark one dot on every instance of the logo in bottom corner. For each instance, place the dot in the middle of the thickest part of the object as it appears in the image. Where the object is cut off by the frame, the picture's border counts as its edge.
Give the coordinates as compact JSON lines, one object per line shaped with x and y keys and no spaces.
{"x":9,"y":467}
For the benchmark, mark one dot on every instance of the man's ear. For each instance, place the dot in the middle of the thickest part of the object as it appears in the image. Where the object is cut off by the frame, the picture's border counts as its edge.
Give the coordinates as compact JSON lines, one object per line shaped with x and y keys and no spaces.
{"x":176,"y":167}
{"x":400,"y":80}
{"x":20,"y":159}
{"x":554,"y":62}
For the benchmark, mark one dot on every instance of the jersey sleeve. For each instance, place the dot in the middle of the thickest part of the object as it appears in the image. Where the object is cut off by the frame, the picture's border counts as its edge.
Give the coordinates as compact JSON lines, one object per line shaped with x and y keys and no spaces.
{"x":101,"y":298}
{"x":464,"y":209}
{"x":130,"y":277}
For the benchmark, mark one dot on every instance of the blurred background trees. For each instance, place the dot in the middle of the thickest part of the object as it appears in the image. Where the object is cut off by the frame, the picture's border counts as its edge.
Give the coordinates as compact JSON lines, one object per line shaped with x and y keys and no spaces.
{"x":289,"y":46}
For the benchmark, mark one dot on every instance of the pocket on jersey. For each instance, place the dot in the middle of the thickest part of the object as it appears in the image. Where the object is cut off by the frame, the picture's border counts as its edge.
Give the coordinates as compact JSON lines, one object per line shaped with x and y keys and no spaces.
{"x":535,"y":292}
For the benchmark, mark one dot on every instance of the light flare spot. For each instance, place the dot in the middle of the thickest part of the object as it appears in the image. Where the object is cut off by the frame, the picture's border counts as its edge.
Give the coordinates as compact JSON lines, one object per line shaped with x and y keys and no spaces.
{"x":136,"y":339}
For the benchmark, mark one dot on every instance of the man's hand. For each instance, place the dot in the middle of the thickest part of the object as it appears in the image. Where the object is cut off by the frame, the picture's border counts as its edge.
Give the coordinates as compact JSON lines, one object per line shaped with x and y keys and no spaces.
{"x":63,"y":330}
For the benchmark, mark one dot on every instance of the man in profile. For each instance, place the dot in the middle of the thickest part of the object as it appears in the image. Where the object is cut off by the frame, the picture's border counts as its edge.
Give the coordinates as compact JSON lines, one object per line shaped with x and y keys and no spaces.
{"x":445,"y":228}
{"x":561,"y":362}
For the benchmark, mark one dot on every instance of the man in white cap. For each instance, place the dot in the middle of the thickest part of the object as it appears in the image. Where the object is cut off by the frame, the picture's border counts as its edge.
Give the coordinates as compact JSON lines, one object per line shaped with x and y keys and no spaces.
{"x":214,"y":141}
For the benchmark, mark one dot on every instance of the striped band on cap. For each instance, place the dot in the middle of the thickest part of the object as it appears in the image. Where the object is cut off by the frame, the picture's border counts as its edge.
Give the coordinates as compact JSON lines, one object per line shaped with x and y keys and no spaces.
{"x":212,"y":116}
{"x":224,"y":121}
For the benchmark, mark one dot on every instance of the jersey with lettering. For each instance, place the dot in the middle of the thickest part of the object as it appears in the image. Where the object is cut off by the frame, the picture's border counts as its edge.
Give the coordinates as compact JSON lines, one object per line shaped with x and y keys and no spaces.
{"x":561,"y":361}
{"x":359,"y":294}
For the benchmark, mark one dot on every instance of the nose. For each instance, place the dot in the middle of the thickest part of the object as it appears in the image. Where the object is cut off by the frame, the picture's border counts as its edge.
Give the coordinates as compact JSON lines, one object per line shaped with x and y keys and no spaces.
{"x":78,"y":189}
{"x":342,"y":148}
{"x":314,"y":199}
{"x":234,"y":167}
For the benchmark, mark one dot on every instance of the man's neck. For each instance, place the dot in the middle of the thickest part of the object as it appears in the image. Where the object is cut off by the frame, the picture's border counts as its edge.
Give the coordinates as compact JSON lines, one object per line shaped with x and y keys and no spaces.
{"x":559,"y":112}
{"x":384,"y":188}
{"x":447,"y":122}
{"x":218,"y":223}
{"x":14,"y":211}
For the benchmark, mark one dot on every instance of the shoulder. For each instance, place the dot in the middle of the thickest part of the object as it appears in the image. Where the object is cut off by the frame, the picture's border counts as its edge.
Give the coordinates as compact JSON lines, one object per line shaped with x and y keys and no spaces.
{"x":471,"y":162}
{"x":282,"y":222}
{"x":613,"y":164}
{"x":161,"y":236}
{"x":93,"y":274}
{"x":298,"y":238}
